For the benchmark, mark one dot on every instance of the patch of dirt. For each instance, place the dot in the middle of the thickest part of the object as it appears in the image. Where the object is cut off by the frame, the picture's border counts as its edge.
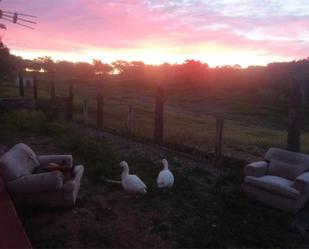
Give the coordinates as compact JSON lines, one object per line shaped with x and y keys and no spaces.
{"x":104,"y":220}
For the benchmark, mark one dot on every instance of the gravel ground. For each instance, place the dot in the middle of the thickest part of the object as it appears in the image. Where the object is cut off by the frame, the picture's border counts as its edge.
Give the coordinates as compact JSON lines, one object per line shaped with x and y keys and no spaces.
{"x":155,"y":153}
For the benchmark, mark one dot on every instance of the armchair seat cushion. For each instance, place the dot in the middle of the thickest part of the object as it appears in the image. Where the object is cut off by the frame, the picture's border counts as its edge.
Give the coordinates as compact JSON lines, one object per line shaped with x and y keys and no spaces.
{"x":50,"y":167}
{"x":274,"y":184}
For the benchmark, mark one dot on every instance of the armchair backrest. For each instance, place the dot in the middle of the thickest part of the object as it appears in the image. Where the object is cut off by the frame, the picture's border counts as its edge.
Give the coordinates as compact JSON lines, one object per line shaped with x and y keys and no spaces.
{"x":20,"y":160}
{"x":286,"y":163}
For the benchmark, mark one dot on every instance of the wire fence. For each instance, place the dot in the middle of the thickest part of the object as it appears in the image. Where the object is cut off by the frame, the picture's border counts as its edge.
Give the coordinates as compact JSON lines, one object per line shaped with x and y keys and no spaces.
{"x":133,"y":108}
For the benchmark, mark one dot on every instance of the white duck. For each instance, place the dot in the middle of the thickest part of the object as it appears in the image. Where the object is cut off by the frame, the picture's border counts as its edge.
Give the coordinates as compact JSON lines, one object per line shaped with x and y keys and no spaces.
{"x":132,"y":184}
{"x":165,"y":178}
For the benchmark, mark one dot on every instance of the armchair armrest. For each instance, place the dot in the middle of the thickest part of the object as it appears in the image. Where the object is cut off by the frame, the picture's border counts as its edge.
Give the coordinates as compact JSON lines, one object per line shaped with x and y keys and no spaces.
{"x":36,"y":183}
{"x":256,"y":169}
{"x":74,"y":183}
{"x":60,"y":159}
{"x":301,"y":182}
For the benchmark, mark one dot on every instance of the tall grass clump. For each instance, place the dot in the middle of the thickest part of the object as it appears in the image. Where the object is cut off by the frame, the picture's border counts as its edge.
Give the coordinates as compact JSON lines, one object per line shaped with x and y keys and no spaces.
{"x":92,"y":152}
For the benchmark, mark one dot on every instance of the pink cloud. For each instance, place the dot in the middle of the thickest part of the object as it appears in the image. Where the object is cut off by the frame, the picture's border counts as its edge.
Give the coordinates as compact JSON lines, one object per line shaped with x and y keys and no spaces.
{"x":74,"y":25}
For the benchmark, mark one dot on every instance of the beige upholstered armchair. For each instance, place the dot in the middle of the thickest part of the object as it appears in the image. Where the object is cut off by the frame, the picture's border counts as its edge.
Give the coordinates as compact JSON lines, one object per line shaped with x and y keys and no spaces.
{"x":41,"y":189}
{"x":281,"y":181}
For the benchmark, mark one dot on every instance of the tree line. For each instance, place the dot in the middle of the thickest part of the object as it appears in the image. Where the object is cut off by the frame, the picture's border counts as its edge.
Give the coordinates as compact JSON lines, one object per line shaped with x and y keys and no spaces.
{"x":276,"y":76}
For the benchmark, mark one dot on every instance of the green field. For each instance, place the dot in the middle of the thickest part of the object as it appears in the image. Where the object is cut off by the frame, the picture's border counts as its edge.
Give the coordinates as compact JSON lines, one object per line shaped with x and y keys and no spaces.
{"x":252,"y":123}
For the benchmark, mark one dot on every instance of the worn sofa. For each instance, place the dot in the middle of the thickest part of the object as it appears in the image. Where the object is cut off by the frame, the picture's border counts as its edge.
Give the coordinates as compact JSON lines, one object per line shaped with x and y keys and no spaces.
{"x":281,"y":180}
{"x":41,"y":189}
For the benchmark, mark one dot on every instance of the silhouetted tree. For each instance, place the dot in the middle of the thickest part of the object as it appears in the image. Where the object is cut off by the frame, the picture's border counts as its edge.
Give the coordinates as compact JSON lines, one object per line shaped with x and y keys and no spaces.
{"x":9,"y":64}
{"x":45,"y":63}
{"x":65,"y":69}
{"x":120,"y":66}
{"x":83,"y":70}
{"x":193,"y":71}
{"x":101,"y":68}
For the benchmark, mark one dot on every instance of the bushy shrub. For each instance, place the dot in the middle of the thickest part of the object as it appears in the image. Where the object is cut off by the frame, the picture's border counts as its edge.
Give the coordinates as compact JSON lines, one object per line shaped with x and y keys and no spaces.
{"x":45,"y":106}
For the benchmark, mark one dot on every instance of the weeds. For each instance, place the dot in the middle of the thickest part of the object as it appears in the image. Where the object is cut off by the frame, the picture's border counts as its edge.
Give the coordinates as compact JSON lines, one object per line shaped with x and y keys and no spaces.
{"x":96,"y":154}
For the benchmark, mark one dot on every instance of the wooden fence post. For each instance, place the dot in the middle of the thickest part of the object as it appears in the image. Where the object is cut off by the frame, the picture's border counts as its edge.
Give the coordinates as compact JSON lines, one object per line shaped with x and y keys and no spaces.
{"x":52,"y":88}
{"x":295,"y":115}
{"x":21,"y":84}
{"x":219,"y":141}
{"x":100,"y":105}
{"x":85,"y":111}
{"x":129,"y":120}
{"x":35,"y":91}
{"x":71,"y":101}
{"x":159,"y":115}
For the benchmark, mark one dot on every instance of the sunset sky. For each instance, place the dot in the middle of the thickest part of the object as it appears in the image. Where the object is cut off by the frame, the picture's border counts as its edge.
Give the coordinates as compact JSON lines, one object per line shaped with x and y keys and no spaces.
{"x":219,"y":32}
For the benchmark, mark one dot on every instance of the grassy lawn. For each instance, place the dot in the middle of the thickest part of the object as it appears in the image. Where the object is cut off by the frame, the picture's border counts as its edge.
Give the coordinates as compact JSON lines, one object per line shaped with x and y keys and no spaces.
{"x":202,"y":210}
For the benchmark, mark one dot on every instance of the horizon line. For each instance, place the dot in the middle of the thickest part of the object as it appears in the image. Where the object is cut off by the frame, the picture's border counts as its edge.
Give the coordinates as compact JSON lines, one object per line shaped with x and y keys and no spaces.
{"x":31,"y":56}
